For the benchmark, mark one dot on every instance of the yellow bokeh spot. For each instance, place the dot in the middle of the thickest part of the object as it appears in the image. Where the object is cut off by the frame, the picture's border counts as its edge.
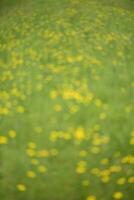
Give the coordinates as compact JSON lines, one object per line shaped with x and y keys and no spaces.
{"x":98,"y":102}
{"x":53,"y":94}
{"x":3,"y":140}
{"x":80,"y":134}
{"x":91,"y":197}
{"x":20,"y":109}
{"x":105,"y":179}
{"x":115,"y":168}
{"x":34,"y":161}
{"x":31,"y":152}
{"x":42,"y":169}
{"x":83,"y":153}
{"x":81,"y":169}
{"x":132,"y":141}
{"x":121,"y":181}
{"x":43,"y":153}
{"x":31,"y":174}
{"x":21,"y":187}
{"x":118,"y":195}
{"x":32,"y":145}
{"x":12,"y":133}
{"x":58,"y":108}
{"x":131,"y":179}
{"x":104,"y":161}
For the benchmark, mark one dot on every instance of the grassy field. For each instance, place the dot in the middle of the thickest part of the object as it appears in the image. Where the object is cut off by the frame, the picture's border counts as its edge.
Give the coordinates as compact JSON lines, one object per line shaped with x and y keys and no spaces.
{"x":66,"y":99}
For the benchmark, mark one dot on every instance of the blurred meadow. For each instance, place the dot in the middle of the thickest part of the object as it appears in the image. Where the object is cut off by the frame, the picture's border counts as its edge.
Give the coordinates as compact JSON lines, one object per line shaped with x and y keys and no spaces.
{"x":66,"y":99}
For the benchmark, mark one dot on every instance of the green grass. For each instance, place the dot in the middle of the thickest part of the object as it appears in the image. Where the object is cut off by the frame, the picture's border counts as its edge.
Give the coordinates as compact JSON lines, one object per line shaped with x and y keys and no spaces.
{"x":66,"y":99}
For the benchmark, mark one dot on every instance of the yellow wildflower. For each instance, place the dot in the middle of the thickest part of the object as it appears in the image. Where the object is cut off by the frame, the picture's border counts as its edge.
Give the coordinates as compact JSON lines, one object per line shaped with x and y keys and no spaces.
{"x":3,"y":140}
{"x":91,"y":197}
{"x":31,"y":174}
{"x":121,"y":181}
{"x":20,"y":109}
{"x":12,"y":133}
{"x":21,"y":187}
{"x":42,"y":169}
{"x":131,"y":179}
{"x":43,"y":153}
{"x":80,"y":134}
{"x":118,"y":195}
{"x":32,"y":145}
{"x":58,"y":108}
{"x":34,"y":161}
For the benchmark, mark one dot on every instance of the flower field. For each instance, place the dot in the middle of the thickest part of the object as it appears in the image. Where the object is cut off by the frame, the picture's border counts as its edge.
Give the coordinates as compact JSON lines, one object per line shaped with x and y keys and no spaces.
{"x":67,"y":100}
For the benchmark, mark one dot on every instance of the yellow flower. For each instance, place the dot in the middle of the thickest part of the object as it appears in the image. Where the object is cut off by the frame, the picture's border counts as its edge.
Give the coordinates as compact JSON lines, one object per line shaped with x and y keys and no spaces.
{"x":20,"y":109}
{"x":12,"y":133}
{"x":128,"y":109}
{"x":74,"y":108}
{"x":3,"y":140}
{"x":125,"y":159}
{"x":79,"y":58}
{"x":58,"y":108}
{"x":115,"y":168}
{"x":104,"y":161}
{"x":34,"y":161}
{"x":118,"y":195}
{"x":95,"y":171}
{"x":132,"y":141}
{"x":21,"y":187}
{"x":53,"y":94}
{"x":105,"y":139}
{"x":70,"y":59}
{"x":81,"y":168}
{"x":72,"y":94}
{"x":66,"y":136}
{"x":91,"y":197}
{"x":105,"y":179}
{"x":131,"y":179}
{"x":31,"y":152}
{"x":31,"y":174}
{"x":4,"y":111}
{"x":97,"y":141}
{"x":105,"y":172}
{"x":121,"y":181}
{"x":83,"y":153}
{"x":43,"y":153}
{"x":80,"y":134}
{"x":131,"y":159}
{"x":42,"y":169}
{"x":98,"y":103}
{"x":15,"y":92}
{"x":53,"y":136}
{"x":32,"y":145}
